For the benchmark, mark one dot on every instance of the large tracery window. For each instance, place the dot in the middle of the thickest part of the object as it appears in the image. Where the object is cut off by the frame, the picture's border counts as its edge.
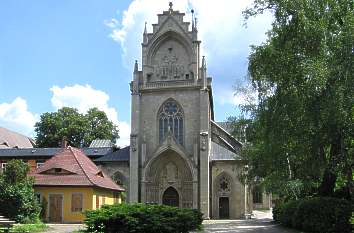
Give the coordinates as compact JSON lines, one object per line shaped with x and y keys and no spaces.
{"x":171,"y":118}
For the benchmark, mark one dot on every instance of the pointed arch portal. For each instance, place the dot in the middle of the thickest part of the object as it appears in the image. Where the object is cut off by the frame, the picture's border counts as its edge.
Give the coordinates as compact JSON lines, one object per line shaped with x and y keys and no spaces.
{"x":170,"y":197}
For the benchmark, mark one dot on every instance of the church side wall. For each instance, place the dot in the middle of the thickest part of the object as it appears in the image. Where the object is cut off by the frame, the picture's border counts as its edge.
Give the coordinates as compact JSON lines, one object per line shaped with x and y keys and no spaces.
{"x":237,"y":196}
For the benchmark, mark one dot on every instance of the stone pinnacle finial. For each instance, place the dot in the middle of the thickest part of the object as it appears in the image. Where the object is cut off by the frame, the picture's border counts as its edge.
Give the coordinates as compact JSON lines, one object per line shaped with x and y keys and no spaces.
{"x":203,"y":62}
{"x":171,"y":5}
{"x":136,"y":66}
{"x":192,"y":11}
{"x":145,"y":36}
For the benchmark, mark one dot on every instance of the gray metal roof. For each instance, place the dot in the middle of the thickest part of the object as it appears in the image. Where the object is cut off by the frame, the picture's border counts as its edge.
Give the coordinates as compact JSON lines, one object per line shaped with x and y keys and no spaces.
{"x":49,"y":152}
{"x":120,"y":155}
{"x":101,"y":143}
{"x":221,"y":153}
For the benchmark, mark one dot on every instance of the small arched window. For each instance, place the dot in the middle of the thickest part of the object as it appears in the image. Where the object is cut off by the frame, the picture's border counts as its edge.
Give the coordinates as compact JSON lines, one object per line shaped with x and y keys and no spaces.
{"x":171,"y":118}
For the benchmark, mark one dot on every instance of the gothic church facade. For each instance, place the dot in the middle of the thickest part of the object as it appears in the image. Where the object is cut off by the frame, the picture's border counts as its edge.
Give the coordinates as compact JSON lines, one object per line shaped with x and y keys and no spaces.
{"x":178,"y":155}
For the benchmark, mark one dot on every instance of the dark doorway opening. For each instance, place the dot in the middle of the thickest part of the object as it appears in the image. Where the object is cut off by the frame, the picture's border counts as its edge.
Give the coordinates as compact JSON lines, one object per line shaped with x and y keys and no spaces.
{"x":224,"y":208}
{"x":170,"y":197}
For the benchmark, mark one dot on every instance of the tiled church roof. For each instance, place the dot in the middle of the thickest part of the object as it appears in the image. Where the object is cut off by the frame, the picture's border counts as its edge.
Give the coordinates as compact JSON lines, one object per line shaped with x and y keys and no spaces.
{"x":223,"y":146}
{"x":120,"y":155}
{"x":10,"y":139}
{"x":71,"y":167}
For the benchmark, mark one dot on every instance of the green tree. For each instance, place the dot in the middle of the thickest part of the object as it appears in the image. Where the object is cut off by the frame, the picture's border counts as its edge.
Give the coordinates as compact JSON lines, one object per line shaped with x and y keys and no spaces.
{"x":77,"y":128}
{"x":301,"y":131}
{"x":17,"y":199}
{"x":99,"y":127}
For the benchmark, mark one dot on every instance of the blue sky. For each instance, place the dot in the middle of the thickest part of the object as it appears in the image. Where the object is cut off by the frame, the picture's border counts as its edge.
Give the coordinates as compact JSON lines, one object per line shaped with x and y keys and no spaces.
{"x":80,"y":54}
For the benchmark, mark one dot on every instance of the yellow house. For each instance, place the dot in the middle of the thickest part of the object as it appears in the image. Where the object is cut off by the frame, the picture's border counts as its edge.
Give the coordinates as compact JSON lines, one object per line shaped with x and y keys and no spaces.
{"x":70,"y":183}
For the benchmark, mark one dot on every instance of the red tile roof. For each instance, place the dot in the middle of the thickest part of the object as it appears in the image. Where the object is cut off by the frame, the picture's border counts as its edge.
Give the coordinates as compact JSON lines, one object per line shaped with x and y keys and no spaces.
{"x":77,"y":170}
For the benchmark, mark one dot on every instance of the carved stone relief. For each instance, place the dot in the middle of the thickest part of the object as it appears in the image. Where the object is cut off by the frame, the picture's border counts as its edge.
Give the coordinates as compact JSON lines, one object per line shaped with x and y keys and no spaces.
{"x":133,"y":142}
{"x":170,"y":63}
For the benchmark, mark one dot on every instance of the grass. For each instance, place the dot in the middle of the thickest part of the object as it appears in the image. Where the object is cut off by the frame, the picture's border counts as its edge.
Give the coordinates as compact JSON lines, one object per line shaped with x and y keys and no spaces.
{"x":36,"y":227}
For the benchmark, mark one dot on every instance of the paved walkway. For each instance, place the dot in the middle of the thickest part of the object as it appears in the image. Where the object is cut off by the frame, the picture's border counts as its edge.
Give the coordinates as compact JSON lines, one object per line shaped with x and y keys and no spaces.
{"x":261,"y":222}
{"x":64,"y":228}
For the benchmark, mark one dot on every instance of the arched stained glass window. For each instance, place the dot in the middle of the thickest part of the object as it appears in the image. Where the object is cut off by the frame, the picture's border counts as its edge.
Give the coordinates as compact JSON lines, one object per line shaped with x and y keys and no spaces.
{"x":171,"y":118}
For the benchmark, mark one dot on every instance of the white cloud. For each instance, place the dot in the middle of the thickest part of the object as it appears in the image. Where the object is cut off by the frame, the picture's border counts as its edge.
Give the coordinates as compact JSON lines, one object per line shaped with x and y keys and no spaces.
{"x":238,"y":98}
{"x":15,"y":116}
{"x":85,"y":97}
{"x":112,"y":23}
{"x":220,"y":26}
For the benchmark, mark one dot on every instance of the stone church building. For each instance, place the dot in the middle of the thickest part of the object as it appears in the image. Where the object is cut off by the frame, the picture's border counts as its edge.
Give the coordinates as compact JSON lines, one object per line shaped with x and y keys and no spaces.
{"x":178,"y":154}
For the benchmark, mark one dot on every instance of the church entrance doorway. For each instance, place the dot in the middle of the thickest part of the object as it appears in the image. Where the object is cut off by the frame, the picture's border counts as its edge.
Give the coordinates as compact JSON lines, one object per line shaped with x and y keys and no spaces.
{"x":170,"y":197}
{"x":224,"y":208}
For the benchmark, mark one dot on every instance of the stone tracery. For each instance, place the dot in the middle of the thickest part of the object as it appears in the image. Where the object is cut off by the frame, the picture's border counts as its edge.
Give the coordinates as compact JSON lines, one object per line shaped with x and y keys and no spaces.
{"x":171,"y":119}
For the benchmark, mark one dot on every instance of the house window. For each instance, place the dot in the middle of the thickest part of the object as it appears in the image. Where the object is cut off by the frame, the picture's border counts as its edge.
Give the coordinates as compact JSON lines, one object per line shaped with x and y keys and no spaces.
{"x":97,"y":202}
{"x":257,"y":194}
{"x":116,"y":197}
{"x":57,"y":170}
{"x":38,"y":197}
{"x":3,"y":166}
{"x":76,"y":202}
{"x":171,"y":120}
{"x":39,"y":163}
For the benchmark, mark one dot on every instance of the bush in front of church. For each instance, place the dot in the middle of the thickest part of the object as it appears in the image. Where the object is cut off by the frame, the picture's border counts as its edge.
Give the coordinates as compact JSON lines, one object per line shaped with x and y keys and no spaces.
{"x":129,"y":218}
{"x":317,"y":215}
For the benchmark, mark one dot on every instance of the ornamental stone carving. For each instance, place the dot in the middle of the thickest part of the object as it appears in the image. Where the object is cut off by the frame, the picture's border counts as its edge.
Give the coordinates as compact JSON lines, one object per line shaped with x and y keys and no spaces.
{"x":133,"y":142}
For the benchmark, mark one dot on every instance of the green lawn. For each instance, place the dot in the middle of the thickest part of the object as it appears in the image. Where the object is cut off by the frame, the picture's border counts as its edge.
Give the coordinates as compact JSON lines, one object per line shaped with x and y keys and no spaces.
{"x":37,"y":227}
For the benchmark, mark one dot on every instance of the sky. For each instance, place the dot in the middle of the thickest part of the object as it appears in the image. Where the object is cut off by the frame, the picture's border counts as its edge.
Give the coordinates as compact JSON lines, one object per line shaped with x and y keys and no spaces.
{"x":80,"y":53}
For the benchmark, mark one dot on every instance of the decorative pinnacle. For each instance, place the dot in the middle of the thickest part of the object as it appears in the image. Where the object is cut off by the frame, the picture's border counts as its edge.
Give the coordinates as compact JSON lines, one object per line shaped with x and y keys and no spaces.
{"x":145,"y":31}
{"x":192,"y":11}
{"x":136,"y":66}
{"x":171,"y":5}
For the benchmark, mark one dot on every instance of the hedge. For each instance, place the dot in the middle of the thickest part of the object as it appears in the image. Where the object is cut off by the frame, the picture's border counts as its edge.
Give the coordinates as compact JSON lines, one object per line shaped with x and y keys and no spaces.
{"x":317,"y":215}
{"x":142,"y":218}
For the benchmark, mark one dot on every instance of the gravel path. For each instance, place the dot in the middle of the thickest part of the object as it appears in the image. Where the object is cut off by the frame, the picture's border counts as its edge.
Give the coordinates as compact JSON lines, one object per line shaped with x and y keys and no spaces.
{"x":261,"y":222}
{"x":64,"y":228}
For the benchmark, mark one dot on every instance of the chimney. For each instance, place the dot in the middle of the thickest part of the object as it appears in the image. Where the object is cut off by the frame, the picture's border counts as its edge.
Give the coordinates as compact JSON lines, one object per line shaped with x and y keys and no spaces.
{"x":64,"y":142}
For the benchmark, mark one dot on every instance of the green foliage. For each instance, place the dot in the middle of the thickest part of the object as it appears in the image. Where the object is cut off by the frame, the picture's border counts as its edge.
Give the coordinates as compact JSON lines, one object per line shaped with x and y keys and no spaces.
{"x":129,"y":218}
{"x":37,"y":227}
{"x":300,"y":134}
{"x":17,"y":200}
{"x":317,"y":215}
{"x":80,"y":130}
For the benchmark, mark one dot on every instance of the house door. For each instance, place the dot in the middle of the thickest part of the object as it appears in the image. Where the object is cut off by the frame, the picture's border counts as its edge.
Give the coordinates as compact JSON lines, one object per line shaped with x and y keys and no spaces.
{"x":224,"y":208}
{"x":170,"y":197}
{"x":55,"y":207}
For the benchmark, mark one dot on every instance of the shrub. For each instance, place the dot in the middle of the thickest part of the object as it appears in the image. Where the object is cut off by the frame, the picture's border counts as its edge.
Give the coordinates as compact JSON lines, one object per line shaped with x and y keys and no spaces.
{"x":277,"y":211}
{"x":17,"y":200}
{"x":323,"y":215}
{"x":287,"y":212}
{"x":317,"y":215}
{"x":142,"y":218}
